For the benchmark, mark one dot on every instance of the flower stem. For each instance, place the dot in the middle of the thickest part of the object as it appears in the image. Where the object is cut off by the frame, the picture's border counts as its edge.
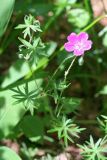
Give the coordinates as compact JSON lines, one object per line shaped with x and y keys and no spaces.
{"x":65,"y":77}
{"x":94,"y":22}
{"x":56,"y":71}
{"x":67,"y":71}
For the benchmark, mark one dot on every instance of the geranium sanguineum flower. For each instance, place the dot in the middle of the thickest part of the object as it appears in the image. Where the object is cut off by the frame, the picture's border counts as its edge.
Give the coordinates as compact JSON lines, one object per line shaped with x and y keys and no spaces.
{"x":78,"y":43}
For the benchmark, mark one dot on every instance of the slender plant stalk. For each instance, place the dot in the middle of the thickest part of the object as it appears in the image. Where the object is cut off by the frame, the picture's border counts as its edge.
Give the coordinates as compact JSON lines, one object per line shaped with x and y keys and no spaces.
{"x":58,"y":102}
{"x":94,"y":22}
{"x":67,"y":71}
{"x":57,"y":71}
{"x":65,"y":77}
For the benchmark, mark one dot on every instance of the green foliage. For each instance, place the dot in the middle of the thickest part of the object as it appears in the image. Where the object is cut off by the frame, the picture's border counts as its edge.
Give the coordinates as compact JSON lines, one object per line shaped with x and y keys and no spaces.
{"x":28,"y":152}
{"x":71,"y":104}
{"x":26,"y":97}
{"x":93,"y":151}
{"x":105,"y":40}
{"x":39,"y":81}
{"x":29,"y":47}
{"x":69,"y":2}
{"x":26,"y":50}
{"x":103,"y":91}
{"x":10,"y":115}
{"x":13,"y":75}
{"x":76,"y":16}
{"x":33,"y":127}
{"x":6,"y":9}
{"x":48,"y":157}
{"x":66,"y":129}
{"x":103,"y":123}
{"x":8,"y":154}
{"x":30,"y":25}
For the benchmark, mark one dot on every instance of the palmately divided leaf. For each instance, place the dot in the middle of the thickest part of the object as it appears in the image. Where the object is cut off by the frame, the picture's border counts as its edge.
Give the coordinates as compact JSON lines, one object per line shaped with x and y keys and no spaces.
{"x":31,"y":24}
{"x":66,"y":129}
{"x":93,"y":151}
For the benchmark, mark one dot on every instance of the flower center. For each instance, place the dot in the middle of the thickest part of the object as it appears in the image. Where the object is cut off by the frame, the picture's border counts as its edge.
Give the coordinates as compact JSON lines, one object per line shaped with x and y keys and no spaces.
{"x":79,"y":45}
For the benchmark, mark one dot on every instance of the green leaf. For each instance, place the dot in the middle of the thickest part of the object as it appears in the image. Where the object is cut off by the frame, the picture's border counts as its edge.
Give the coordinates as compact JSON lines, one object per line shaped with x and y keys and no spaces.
{"x":33,"y":127}
{"x":105,"y":40}
{"x":78,"y":17}
{"x":18,"y":70}
{"x":25,"y":43}
{"x":36,"y":42}
{"x":65,"y":129}
{"x":8,"y":154}
{"x":103,"y":91}
{"x":69,"y":2}
{"x":50,"y":48}
{"x":11,"y":114}
{"x":30,"y":23}
{"x":6,"y":8}
{"x":71,"y":104}
{"x":94,"y":151}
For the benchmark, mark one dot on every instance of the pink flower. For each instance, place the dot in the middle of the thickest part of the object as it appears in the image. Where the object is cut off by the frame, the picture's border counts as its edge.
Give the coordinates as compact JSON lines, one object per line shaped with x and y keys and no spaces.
{"x":78,"y":44}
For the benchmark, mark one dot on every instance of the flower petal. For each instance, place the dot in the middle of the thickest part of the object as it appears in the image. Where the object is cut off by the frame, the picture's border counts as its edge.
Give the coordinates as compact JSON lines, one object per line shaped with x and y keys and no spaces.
{"x":78,"y":43}
{"x":68,"y":47}
{"x":82,"y":36}
{"x":78,"y":52}
{"x":72,"y":37}
{"x":88,"y":45}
